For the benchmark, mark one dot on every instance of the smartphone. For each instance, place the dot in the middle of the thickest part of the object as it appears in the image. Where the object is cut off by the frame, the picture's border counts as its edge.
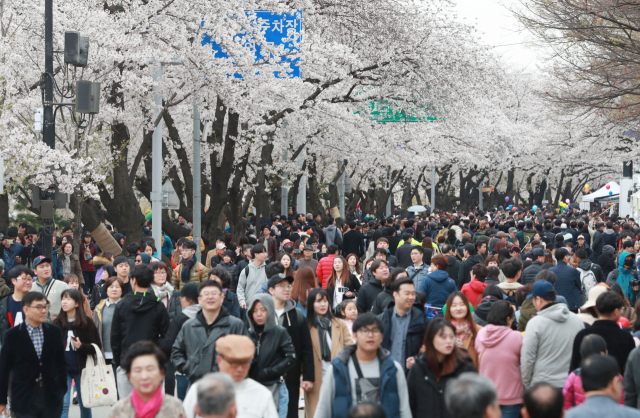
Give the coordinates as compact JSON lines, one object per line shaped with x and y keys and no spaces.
{"x":10,"y":241}
{"x":342,"y":289}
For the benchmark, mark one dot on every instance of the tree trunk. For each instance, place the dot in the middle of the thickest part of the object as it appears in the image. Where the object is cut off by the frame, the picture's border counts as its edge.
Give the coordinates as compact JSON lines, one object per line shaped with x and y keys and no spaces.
{"x":314,"y":205}
{"x":4,"y":210}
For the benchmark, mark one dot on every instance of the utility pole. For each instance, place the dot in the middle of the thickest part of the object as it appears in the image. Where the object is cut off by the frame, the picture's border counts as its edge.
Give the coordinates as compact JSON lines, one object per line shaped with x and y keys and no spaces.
{"x":301,"y":203}
{"x":341,"y":190}
{"x":49,"y":128}
{"x":433,"y":189}
{"x":156,"y":162}
{"x":197,"y":192}
{"x":480,"y":206}
{"x":388,"y":208}
{"x":284,"y":195}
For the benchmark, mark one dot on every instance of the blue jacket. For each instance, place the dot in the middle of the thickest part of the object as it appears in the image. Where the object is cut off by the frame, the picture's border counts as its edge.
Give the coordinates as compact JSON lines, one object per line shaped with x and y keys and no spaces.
{"x":167,"y":246}
{"x":389,"y":399}
{"x":568,"y":284}
{"x":438,"y":286}
{"x":418,"y":275}
{"x":56,"y":265}
{"x":9,"y":256}
{"x":415,"y":333}
{"x":231,"y":303}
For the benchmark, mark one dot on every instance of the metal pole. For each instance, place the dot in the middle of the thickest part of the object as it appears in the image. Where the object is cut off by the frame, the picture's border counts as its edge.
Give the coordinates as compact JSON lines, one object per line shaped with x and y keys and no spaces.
{"x":301,"y":202}
{"x":284,"y":199}
{"x":156,"y":177}
{"x":388,"y":209}
{"x":197,"y":192}
{"x":341,"y":191}
{"x":480,"y":196}
{"x":49,"y":128}
{"x":433,"y":189}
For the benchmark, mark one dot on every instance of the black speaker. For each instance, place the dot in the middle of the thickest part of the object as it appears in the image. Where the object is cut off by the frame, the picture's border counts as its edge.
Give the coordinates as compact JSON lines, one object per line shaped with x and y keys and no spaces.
{"x":627,"y":169}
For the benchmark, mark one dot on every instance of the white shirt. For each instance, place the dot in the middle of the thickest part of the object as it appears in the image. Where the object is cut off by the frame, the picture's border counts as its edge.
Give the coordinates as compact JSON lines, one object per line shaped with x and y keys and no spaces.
{"x":252,"y":400}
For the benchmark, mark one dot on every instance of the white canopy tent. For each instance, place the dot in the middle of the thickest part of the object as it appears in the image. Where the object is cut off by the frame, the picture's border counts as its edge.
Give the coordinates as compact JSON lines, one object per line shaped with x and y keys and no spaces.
{"x":603,"y":192}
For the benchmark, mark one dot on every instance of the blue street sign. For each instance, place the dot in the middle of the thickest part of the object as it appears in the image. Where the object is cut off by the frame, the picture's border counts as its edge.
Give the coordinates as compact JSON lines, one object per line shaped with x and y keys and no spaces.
{"x":278,"y":30}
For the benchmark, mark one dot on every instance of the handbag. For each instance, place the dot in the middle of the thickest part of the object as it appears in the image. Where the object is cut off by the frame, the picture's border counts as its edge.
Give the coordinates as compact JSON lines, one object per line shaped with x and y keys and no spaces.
{"x":97,"y":382}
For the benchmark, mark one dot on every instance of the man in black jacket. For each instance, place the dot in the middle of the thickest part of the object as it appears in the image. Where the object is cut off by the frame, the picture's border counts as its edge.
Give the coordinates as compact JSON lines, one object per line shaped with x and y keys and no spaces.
{"x":585,"y":264}
{"x":598,"y":241}
{"x":139,"y":316}
{"x":471,"y":259}
{"x":34,"y":353}
{"x":403,"y":253}
{"x":353,"y":241}
{"x":619,"y":342}
{"x":370,"y":291}
{"x":530,"y":272}
{"x":454,"y":262}
{"x":404,"y":323}
{"x":293,"y":320}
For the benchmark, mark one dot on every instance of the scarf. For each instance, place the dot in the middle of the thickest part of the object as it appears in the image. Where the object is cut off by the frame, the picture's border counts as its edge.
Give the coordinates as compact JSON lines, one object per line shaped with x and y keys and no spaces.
{"x":66,"y":265}
{"x":187,"y":265}
{"x":462,"y":332}
{"x":163,"y":291}
{"x":324,"y":326}
{"x":149,"y":409}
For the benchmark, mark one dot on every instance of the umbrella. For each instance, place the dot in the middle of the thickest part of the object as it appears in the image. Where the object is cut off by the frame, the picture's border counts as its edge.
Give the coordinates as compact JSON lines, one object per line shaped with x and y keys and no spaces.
{"x":574,"y":205}
{"x":417,"y":208}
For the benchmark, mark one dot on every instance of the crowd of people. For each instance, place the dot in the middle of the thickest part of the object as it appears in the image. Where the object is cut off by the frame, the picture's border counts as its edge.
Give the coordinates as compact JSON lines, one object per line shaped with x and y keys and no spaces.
{"x":513,"y":313}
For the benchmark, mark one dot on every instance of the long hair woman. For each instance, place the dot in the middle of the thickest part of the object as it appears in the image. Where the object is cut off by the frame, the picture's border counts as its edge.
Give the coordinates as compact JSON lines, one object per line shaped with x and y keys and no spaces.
{"x":354,"y":266}
{"x":79,"y":333}
{"x":304,"y":281}
{"x":441,"y":362}
{"x":341,"y":284}
{"x":458,"y":312}
{"x":329,"y":335}
{"x":287,"y":261}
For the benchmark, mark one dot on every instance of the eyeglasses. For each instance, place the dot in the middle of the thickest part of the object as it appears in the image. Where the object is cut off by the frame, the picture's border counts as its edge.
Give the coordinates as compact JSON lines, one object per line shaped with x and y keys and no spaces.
{"x":161,"y":273}
{"x":40,"y":308}
{"x":369,"y":331}
{"x":29,"y":280}
{"x":284,"y":286}
{"x":207,"y":294}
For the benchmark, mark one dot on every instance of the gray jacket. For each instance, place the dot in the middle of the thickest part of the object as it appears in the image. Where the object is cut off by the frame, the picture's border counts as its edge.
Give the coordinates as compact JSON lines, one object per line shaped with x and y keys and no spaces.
{"x":418,"y":274}
{"x":548,"y":344}
{"x":193,"y":352}
{"x":330,"y":233}
{"x":631,"y":380}
{"x":602,"y":406}
{"x":248,"y":286}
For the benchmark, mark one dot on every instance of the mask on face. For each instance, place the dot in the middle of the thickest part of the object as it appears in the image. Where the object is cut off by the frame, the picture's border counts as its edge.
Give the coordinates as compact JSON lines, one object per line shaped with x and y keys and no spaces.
{"x":628,"y":262}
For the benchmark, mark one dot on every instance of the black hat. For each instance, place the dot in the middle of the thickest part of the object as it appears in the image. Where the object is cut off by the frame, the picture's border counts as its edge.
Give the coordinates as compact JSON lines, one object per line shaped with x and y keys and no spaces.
{"x":228,"y":253}
{"x":190,"y":291}
{"x":277,"y":278}
{"x":39,"y":260}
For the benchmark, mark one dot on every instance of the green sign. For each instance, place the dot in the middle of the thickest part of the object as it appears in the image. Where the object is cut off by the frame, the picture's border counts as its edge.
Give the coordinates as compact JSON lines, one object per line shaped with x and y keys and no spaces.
{"x":384,"y":112}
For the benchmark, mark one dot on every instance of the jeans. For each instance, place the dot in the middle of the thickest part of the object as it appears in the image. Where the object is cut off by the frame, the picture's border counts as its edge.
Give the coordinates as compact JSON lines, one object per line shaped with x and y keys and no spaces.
{"x":182,"y":384}
{"x":124,"y":386}
{"x":89,"y":281}
{"x":84,"y":412}
{"x":170,"y":379}
{"x":511,"y":411}
{"x":283,"y":406}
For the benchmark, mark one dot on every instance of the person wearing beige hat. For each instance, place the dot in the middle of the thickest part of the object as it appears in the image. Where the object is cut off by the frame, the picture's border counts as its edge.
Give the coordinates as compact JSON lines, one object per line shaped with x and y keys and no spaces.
{"x":234,"y":356}
{"x":588,"y":312}
{"x":214,"y":257}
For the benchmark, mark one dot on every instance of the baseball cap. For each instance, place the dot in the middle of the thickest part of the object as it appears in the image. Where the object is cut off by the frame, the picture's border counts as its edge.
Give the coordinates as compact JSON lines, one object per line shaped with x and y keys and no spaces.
{"x":308,"y":247}
{"x":538,"y":252}
{"x":221,"y":246}
{"x":580,"y":236}
{"x":542,"y":289}
{"x":501,"y":234}
{"x":190,"y":291}
{"x":286,"y":241}
{"x":594,"y":292}
{"x":563,"y":226}
{"x":39,"y":260}
{"x":277,"y":278}
{"x":514,"y":248}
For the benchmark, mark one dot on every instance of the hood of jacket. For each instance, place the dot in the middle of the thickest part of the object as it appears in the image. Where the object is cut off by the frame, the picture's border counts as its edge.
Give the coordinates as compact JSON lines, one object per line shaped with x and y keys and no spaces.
{"x":493,"y":335}
{"x":608,"y":250}
{"x":118,"y":236}
{"x":482,"y":310}
{"x":191,"y":310}
{"x":267,"y":301}
{"x":585,"y":264}
{"x":439,"y":276}
{"x":475,"y":259}
{"x":608,"y":231}
{"x":101,"y":261}
{"x":531,"y":230}
{"x":477,"y":286}
{"x":558,"y":312}
{"x":289,"y":306}
{"x":621,"y":258}
{"x":330,"y":228}
{"x":142,"y":302}
{"x":252,"y":266}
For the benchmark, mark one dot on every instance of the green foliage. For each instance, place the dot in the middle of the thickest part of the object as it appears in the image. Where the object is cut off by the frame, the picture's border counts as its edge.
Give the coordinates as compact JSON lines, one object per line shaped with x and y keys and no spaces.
{"x":23,"y":215}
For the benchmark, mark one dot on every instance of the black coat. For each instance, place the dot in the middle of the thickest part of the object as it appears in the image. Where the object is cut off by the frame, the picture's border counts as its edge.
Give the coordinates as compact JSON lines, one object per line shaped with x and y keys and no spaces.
{"x":382,"y":301}
{"x":137,"y":317}
{"x":87,"y":336}
{"x":294,"y":322}
{"x":18,"y":356}
{"x":464,"y":274}
{"x":426,"y":394}
{"x":454,"y":266}
{"x":415,"y":332}
{"x":275,"y":355}
{"x":403,"y":254}
{"x":353,"y":285}
{"x":353,"y":242}
{"x":619,"y":342}
{"x":367,"y":296}
{"x":598,"y":245}
{"x":606,"y":263}
{"x":393,"y":244}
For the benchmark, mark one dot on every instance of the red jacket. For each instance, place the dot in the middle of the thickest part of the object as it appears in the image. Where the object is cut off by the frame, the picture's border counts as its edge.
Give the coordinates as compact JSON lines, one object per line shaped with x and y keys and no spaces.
{"x":324,"y":269}
{"x":473,"y":291}
{"x":86,"y":264}
{"x":574,"y":393}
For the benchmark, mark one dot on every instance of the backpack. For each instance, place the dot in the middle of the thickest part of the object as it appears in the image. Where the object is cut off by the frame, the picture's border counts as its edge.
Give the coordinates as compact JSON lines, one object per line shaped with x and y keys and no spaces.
{"x":511,"y":296}
{"x":337,"y":238}
{"x":588,"y":280}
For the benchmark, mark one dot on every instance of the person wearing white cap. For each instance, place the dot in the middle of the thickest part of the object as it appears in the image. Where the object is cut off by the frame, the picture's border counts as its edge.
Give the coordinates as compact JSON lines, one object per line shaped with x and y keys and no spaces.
{"x":214,"y":257}
{"x":588,"y":312}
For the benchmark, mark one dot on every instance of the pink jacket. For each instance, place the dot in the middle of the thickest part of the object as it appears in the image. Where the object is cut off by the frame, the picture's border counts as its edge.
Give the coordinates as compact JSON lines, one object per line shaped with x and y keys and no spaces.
{"x":498,"y":350}
{"x":574,"y":394}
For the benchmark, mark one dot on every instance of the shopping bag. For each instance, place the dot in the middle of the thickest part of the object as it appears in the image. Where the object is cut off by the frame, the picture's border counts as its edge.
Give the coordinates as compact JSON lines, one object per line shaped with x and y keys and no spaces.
{"x":97,"y":382}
